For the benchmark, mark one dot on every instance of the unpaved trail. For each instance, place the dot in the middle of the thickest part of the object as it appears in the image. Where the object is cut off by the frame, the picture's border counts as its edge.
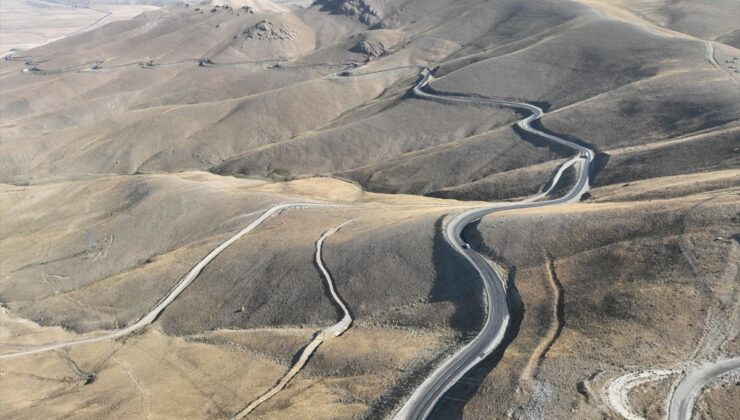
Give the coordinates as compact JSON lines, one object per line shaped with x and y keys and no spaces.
{"x":616,"y":395}
{"x":179,"y":287}
{"x":326,"y":334}
{"x":703,"y":365}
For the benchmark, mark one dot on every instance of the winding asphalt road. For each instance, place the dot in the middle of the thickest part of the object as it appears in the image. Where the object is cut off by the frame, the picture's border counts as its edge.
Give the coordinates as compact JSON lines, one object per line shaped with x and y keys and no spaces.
{"x":425,"y":397}
{"x":423,"y":400}
{"x":684,"y":397}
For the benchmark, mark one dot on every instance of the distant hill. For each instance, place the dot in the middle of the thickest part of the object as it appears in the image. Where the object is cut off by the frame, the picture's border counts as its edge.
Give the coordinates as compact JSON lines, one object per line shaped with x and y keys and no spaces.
{"x":132,"y":150}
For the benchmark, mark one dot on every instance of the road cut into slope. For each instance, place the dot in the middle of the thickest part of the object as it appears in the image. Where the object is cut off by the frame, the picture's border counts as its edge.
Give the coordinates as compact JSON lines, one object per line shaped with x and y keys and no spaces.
{"x":688,"y":390}
{"x":177,"y":289}
{"x":327,"y":333}
{"x":424,"y":399}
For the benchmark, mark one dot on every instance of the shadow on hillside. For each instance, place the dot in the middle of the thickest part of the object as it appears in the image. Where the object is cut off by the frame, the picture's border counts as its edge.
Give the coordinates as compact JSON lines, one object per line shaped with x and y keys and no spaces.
{"x":452,"y":404}
{"x":456,"y":282}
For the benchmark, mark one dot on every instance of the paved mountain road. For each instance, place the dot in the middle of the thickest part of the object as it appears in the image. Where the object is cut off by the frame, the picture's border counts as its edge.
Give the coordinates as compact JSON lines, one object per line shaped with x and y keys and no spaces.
{"x":424,"y":399}
{"x":422,"y":402}
{"x":689,"y":389}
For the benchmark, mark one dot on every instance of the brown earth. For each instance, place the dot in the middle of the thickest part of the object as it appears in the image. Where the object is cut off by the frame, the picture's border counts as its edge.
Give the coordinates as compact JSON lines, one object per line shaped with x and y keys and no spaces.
{"x":119,"y":175}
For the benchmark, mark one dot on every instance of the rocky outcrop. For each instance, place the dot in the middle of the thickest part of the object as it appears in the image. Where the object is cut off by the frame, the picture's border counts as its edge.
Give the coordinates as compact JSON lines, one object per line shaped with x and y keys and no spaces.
{"x":268,"y":31}
{"x":376,"y":42}
{"x":366,"y":11}
{"x":371,"y":49}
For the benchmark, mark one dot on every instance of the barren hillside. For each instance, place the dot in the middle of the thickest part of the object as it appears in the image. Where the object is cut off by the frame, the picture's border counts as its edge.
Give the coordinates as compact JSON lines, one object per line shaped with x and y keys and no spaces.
{"x":166,"y":180}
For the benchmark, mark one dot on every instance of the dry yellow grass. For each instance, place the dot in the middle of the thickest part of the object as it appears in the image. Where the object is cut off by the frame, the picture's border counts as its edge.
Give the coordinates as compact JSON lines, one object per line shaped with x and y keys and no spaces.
{"x":147,"y":375}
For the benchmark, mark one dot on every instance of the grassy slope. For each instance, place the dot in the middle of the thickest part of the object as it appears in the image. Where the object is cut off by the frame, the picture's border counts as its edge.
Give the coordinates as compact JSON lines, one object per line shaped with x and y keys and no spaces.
{"x":626,"y":268}
{"x":92,"y":254}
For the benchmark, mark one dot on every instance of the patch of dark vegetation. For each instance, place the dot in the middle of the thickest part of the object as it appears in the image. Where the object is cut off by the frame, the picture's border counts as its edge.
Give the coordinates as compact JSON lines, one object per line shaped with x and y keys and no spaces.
{"x":599,"y":162}
{"x":673,"y":15}
{"x":618,"y":304}
{"x":134,"y":195}
{"x":629,"y":107}
{"x":694,"y":115}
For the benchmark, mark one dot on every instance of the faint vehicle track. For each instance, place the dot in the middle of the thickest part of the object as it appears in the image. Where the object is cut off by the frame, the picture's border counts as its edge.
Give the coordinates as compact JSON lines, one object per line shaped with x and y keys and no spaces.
{"x":137,"y":385}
